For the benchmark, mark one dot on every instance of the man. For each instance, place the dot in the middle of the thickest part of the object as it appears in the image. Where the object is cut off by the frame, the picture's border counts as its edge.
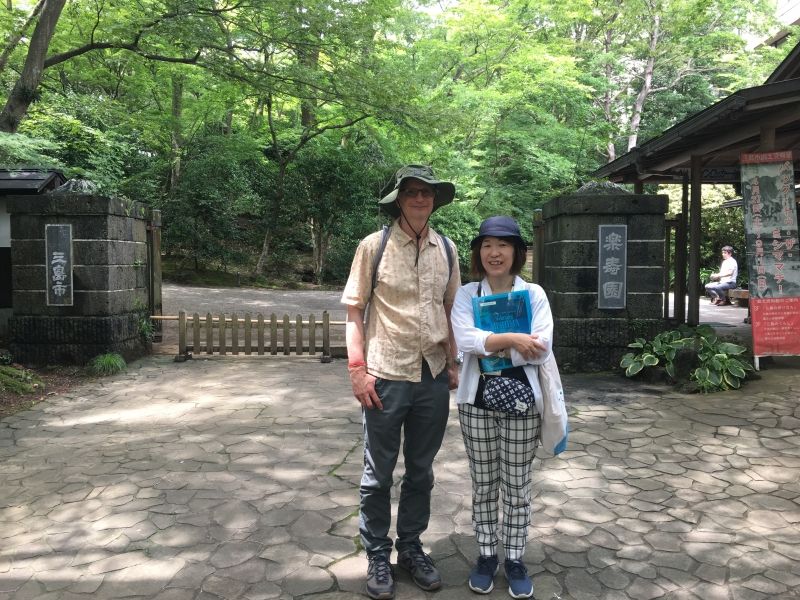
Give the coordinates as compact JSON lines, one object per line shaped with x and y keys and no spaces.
{"x":724,"y":280}
{"x":402,"y":365}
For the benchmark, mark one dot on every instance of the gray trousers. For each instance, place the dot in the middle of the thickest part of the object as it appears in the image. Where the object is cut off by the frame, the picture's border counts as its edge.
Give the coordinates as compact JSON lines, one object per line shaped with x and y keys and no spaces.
{"x":420,"y":411}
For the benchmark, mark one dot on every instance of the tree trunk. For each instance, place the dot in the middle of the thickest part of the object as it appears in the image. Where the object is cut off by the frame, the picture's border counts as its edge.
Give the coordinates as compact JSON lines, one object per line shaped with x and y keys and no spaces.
{"x":263,"y":259}
{"x":611,"y":149}
{"x":647,"y":84}
{"x":25,"y":90}
{"x":176,"y":133}
{"x":14,"y":38}
{"x":321,"y":238}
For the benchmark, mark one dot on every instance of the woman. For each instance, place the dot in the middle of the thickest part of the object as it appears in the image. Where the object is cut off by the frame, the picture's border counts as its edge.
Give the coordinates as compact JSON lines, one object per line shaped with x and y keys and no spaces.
{"x":500,"y":445}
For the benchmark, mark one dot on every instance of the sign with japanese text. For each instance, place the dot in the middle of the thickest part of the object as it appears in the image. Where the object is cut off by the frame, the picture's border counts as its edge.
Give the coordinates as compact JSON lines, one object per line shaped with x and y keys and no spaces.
{"x":773,"y":253}
{"x":58,"y":265}
{"x":612,"y":266}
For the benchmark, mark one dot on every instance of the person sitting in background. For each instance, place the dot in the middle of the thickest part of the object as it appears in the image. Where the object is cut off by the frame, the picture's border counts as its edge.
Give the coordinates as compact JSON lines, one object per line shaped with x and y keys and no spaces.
{"x":724,"y":280}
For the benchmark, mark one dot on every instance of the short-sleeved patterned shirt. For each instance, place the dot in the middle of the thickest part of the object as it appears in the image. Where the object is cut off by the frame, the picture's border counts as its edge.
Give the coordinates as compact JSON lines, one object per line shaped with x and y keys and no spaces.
{"x":406,"y":320}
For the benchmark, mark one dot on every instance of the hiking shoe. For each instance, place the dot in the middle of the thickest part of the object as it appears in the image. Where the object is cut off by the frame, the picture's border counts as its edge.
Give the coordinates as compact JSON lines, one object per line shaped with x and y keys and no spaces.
{"x":481,"y":578}
{"x":519,"y":584}
{"x":421,"y":567}
{"x":380,"y":578}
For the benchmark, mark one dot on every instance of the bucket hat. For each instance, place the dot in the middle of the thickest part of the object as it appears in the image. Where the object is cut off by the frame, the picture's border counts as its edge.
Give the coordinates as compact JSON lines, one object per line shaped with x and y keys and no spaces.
{"x":445,"y":191}
{"x":499,"y":227}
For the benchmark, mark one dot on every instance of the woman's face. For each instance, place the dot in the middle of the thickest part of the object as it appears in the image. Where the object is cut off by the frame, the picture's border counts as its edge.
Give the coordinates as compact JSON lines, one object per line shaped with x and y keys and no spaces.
{"x":497,"y":256}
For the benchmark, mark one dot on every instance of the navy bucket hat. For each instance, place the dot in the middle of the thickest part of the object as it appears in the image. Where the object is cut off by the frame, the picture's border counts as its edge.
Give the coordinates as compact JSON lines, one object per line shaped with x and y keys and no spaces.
{"x":499,"y":227}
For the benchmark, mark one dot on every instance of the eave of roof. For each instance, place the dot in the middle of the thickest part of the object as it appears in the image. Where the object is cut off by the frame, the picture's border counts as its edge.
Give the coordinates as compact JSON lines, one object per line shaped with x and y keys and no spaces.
{"x":732,"y":124}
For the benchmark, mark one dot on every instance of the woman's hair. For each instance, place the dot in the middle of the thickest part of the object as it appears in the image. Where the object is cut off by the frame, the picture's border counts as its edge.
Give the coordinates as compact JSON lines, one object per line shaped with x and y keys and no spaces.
{"x":728,"y":249}
{"x":520,"y":254}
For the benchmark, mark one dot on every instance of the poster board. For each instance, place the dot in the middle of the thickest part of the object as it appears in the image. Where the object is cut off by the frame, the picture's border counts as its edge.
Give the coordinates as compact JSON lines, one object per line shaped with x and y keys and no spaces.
{"x":773,"y":253}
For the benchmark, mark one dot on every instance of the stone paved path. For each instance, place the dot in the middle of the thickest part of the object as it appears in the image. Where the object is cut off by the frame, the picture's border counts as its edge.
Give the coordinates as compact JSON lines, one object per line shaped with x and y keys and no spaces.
{"x":237,"y":478}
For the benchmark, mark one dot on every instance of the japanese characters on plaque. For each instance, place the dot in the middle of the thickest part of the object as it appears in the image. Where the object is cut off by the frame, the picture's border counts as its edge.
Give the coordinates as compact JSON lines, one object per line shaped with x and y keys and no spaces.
{"x":773,"y":253}
{"x":58,"y":264}
{"x":612,"y":266}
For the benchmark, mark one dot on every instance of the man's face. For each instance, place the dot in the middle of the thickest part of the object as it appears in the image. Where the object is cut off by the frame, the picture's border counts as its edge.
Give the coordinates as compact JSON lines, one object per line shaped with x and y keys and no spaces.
{"x":415,"y":199}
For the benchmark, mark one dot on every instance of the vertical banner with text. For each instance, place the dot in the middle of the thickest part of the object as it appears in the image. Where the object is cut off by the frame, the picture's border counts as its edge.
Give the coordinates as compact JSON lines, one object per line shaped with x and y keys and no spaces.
{"x":773,"y":254}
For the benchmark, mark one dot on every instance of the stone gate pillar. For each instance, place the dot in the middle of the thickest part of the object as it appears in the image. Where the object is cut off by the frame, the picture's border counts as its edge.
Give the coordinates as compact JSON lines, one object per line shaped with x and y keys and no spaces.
{"x":603,"y":292}
{"x":79,"y":269}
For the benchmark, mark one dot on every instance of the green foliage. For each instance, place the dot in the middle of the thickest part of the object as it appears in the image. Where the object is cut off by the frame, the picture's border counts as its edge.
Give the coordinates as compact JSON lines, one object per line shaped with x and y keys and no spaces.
{"x":261,"y":128}
{"x":6,"y":358}
{"x":19,"y":150}
{"x":459,"y":221}
{"x":719,"y":367}
{"x":19,"y":380}
{"x":107,"y":364}
{"x":661,"y":350}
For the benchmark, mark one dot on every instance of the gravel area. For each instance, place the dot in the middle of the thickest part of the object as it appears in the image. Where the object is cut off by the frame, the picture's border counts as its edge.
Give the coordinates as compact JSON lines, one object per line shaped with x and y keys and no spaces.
{"x":253,"y":300}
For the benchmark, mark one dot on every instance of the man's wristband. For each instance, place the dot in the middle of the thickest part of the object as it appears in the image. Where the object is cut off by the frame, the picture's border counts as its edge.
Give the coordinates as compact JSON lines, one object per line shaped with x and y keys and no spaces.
{"x":355,"y":364}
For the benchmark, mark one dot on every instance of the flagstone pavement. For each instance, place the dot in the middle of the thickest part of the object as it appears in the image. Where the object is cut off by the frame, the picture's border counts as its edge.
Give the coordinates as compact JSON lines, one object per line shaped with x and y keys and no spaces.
{"x":238,"y":477}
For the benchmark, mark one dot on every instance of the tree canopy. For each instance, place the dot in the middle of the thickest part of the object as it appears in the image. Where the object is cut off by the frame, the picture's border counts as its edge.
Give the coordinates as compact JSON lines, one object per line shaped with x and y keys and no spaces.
{"x":265,"y":130}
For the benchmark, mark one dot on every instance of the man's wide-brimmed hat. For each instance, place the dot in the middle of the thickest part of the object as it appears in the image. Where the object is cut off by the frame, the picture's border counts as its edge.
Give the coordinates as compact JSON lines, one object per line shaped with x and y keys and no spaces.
{"x":499,"y":227}
{"x":445,"y":191}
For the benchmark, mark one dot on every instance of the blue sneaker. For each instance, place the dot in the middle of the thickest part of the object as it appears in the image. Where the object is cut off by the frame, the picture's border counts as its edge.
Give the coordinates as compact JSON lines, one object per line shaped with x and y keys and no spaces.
{"x":519,"y":584}
{"x":481,"y":578}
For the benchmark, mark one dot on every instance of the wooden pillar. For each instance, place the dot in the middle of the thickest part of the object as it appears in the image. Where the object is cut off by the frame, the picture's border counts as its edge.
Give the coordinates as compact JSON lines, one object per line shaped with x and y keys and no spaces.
{"x":767,"y":139}
{"x":681,"y":254}
{"x":638,"y":187}
{"x":695,"y":233}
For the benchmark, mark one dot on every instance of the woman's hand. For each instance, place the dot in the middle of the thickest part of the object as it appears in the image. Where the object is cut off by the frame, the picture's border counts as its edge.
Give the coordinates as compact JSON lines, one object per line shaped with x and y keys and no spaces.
{"x":528,"y":345}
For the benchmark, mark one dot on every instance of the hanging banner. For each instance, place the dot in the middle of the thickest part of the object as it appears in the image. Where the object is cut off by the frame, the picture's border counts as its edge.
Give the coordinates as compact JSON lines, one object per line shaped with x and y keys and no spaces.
{"x":773,"y":253}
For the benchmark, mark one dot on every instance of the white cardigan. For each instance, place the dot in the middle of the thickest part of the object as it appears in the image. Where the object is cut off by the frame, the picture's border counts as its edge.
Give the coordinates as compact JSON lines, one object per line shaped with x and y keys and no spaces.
{"x":470,"y":340}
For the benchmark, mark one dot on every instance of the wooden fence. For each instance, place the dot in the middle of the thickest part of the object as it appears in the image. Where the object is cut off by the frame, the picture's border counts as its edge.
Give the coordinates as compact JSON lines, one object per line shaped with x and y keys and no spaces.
{"x":248,"y":335}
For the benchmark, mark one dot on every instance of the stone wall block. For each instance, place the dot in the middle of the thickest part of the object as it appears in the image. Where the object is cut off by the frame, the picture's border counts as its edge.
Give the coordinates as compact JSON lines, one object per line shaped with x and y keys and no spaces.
{"x":584,"y":305}
{"x":86,"y":303}
{"x":26,"y":252}
{"x":582,"y":279}
{"x":50,"y":354}
{"x":584,"y":227}
{"x":605,"y":204}
{"x":110,"y":278}
{"x":65,"y":330}
{"x":75,"y":204}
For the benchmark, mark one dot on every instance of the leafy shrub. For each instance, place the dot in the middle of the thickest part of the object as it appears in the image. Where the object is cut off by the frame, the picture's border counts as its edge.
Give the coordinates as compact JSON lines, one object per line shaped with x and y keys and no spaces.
{"x":5,"y":357}
{"x":718,"y":367}
{"x":110,"y":363}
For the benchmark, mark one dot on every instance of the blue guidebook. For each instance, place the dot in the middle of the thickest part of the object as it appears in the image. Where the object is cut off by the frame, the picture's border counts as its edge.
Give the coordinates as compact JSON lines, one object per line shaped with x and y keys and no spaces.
{"x":502,"y":313}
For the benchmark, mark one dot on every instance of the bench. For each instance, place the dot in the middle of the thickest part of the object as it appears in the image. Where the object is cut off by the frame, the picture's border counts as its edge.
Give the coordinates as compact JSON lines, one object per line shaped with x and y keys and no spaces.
{"x":741,"y":296}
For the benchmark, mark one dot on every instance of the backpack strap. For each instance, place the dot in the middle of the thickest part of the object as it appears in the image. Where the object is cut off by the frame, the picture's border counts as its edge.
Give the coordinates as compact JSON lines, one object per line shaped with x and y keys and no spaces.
{"x":376,"y":260}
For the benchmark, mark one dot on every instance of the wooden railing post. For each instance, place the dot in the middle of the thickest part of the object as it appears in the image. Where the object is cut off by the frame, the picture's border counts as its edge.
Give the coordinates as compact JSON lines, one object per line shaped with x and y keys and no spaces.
{"x":181,"y":333}
{"x":326,"y":337}
{"x":286,"y":342}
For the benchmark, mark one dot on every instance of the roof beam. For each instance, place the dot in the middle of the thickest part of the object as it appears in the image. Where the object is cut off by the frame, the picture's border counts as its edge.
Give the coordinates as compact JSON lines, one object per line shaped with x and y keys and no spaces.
{"x":753,"y":129}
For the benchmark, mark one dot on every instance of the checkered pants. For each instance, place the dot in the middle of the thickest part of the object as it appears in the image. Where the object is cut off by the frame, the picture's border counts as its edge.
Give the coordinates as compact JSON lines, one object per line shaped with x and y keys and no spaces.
{"x":500,"y":448}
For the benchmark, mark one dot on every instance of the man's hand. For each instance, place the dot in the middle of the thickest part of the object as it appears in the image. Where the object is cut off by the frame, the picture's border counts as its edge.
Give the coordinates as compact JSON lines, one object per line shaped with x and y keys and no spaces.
{"x":452,"y":376}
{"x":364,"y":388}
